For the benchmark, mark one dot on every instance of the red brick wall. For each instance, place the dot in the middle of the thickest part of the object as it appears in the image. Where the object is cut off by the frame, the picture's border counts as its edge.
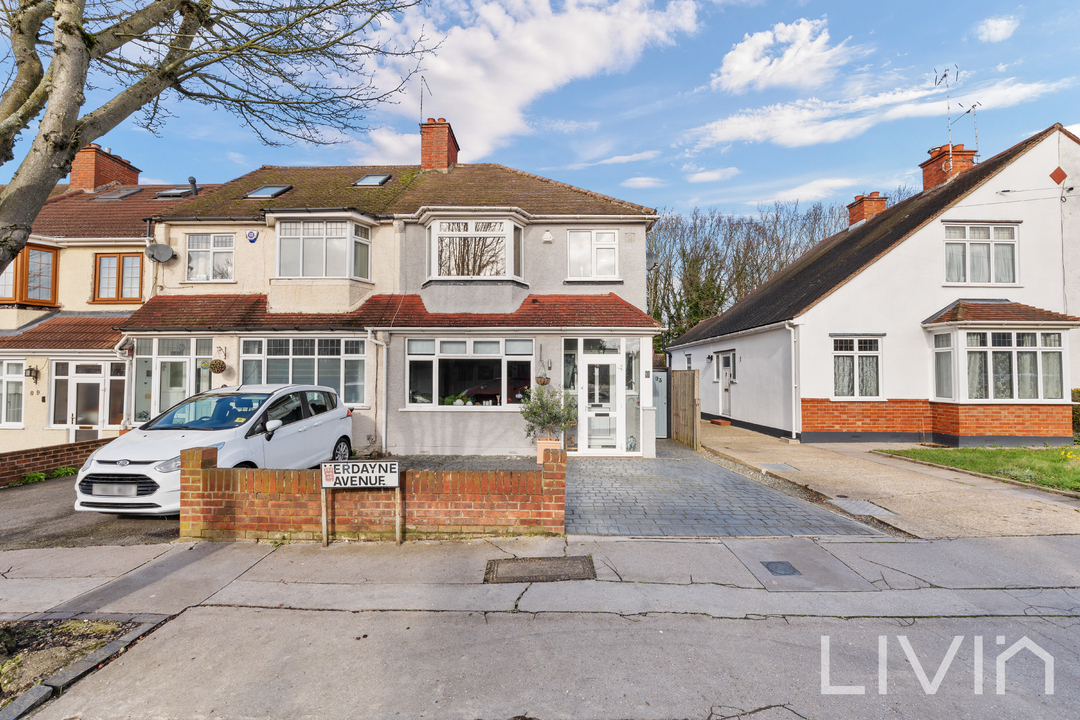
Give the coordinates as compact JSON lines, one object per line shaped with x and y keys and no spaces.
{"x":936,"y":170}
{"x":93,"y":167}
{"x":438,"y":147}
{"x":220,"y":504}
{"x":866,"y":207}
{"x":14,"y":465}
{"x":923,"y":416}
{"x":822,"y":415}
{"x":1007,"y":420}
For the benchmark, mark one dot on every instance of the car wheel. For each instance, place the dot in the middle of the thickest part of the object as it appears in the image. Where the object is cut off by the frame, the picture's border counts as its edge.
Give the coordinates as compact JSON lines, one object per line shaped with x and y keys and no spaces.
{"x":342,"y":451}
{"x":248,"y":465}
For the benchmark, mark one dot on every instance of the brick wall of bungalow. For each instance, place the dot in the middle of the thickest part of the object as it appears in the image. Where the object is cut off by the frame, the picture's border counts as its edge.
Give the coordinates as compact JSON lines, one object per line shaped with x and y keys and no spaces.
{"x":923,"y":416}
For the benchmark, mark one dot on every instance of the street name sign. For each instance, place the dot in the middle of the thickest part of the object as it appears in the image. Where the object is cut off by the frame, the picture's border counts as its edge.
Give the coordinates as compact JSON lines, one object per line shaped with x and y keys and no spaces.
{"x":360,"y":475}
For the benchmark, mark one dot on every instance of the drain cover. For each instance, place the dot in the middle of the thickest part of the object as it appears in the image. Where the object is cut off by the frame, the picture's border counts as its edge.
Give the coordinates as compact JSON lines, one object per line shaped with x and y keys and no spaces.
{"x":780,"y":567}
{"x":540,"y":569}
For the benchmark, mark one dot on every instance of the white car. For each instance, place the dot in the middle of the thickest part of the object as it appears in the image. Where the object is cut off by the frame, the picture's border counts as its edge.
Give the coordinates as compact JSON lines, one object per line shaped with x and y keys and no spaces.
{"x":252,"y":426}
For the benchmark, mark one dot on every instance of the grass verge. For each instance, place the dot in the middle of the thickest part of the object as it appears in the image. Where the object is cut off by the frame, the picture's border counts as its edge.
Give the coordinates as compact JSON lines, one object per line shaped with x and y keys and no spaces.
{"x":1057,"y":468}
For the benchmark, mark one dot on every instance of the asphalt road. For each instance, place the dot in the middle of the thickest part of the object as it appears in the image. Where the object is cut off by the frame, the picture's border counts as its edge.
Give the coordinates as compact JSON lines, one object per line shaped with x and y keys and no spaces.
{"x":43,"y":515}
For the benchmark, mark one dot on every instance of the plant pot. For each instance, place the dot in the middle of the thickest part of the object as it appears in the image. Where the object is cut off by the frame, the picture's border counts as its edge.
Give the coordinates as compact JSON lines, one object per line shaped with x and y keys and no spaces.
{"x":542,"y":380}
{"x":543,"y":444}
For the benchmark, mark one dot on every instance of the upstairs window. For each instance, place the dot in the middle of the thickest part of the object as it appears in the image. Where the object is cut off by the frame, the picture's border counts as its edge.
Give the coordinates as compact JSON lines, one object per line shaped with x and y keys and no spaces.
{"x":30,"y":278}
{"x":209,"y":258}
{"x":980,"y":254}
{"x":593,"y":254}
{"x":323,"y":248}
{"x":475,"y":249}
{"x":118,"y":278}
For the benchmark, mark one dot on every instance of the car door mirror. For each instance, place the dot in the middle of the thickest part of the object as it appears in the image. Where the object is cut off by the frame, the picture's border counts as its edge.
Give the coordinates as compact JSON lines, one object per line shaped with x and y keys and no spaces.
{"x":271,"y":427}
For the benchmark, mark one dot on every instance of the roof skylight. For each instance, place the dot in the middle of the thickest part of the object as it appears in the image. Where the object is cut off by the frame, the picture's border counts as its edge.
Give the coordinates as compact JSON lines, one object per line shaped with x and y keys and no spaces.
{"x":176,"y":192}
{"x":268,"y":191}
{"x":372,"y":180}
{"x":118,"y":194}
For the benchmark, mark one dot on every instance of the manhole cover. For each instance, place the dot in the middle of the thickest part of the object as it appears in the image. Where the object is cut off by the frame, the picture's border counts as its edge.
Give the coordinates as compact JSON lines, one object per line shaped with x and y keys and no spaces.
{"x":540,"y":569}
{"x":780,"y":567}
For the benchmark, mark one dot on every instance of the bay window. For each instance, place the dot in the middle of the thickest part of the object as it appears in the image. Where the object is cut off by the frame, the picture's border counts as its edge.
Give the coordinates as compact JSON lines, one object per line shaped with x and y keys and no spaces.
{"x":31,"y":277}
{"x":475,"y":249}
{"x":856,"y":367}
{"x":980,"y":254}
{"x":323,"y":248}
{"x":1007,"y":365}
{"x":468,"y":373}
{"x":334,"y":362}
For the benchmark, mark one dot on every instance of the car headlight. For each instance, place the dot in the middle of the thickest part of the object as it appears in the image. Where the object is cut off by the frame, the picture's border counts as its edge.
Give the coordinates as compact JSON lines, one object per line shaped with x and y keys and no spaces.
{"x":90,"y":459}
{"x":171,"y":465}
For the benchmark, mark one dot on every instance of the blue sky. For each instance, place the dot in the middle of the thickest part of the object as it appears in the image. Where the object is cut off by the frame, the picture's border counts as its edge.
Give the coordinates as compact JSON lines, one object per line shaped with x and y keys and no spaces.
{"x":684,"y":103}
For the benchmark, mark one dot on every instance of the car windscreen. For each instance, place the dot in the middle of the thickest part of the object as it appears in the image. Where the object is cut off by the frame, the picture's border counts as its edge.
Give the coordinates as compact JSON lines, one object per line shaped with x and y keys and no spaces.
{"x":209,"y":412}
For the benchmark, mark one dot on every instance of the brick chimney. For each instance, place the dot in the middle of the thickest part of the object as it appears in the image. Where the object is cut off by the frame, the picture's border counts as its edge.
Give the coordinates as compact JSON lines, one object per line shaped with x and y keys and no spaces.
{"x":95,"y":166}
{"x":438,"y":146}
{"x":937,"y":171}
{"x":865,"y":207}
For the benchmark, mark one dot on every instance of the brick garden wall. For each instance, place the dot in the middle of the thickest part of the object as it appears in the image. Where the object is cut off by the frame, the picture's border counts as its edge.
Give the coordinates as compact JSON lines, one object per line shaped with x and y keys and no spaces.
{"x":239,"y":504}
{"x":923,"y":416}
{"x":14,"y":465}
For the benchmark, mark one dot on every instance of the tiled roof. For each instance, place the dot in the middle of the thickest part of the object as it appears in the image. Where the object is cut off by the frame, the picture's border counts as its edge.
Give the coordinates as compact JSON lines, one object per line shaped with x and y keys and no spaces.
{"x":996,"y":311}
{"x":248,"y":312}
{"x":409,"y":189}
{"x":78,"y":214}
{"x":837,"y":259}
{"x":67,"y":332}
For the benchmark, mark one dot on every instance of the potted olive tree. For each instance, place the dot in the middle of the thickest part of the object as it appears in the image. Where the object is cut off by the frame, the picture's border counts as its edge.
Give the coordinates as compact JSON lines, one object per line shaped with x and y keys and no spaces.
{"x":548,"y":411}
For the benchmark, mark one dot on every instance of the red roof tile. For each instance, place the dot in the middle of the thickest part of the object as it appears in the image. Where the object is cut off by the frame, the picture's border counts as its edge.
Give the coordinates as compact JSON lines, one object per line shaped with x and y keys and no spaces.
{"x":236,"y":312}
{"x":997,"y":311}
{"x":67,"y":333}
{"x":78,"y":214}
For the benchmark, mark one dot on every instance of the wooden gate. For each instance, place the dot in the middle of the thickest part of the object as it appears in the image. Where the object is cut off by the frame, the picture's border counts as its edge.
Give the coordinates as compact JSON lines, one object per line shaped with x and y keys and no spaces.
{"x":685,"y":407}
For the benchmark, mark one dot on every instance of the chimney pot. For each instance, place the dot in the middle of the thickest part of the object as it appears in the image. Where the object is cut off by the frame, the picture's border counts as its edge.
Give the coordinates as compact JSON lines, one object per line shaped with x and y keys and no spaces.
{"x":442,"y":119}
{"x":944,"y":165}
{"x":431,"y":120}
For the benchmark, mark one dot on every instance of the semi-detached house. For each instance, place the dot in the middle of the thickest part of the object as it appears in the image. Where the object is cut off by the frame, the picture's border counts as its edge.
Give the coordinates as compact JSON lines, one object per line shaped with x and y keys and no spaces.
{"x":948,"y":316}
{"x":429,"y":296}
{"x":63,"y":374}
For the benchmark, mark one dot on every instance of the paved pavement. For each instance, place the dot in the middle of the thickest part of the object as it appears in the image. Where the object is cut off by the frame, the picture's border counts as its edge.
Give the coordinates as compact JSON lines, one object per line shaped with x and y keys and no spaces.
{"x":681,"y":494}
{"x":670,"y":628}
{"x":926,"y":502}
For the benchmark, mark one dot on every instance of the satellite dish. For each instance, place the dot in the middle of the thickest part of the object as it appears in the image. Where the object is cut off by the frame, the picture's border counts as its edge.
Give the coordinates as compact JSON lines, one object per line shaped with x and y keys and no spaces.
{"x":159,"y":253}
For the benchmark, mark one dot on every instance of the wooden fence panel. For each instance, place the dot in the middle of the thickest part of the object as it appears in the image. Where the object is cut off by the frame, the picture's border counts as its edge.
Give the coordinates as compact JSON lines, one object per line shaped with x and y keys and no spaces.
{"x":685,"y":407}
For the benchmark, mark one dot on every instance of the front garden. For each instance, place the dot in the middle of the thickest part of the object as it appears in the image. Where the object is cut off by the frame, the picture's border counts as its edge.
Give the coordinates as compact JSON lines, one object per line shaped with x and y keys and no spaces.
{"x":1057,"y":468}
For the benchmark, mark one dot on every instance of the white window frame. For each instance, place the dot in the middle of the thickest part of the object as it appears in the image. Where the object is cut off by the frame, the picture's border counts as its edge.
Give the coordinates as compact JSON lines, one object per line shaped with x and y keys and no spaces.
{"x":212,"y":251}
{"x":347,"y":350}
{"x":105,"y":377}
{"x":860,"y":347}
{"x":943,"y":346}
{"x":512,"y":235}
{"x":194,"y":359}
{"x":719,"y":362}
{"x":361,"y":235}
{"x":11,"y":375}
{"x":967,"y":241}
{"x":1041,"y":349}
{"x":601,"y":238}
{"x":689,"y":361}
{"x":440,"y":352}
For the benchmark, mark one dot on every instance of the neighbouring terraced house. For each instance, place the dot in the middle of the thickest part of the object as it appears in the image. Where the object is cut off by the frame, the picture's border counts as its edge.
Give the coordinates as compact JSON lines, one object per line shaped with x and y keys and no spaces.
{"x":429,"y":296}
{"x":947,"y":317}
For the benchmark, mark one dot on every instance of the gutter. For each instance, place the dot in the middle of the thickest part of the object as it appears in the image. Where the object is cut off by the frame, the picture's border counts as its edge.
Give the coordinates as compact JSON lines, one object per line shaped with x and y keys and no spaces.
{"x":741,"y":333}
{"x":796,"y":415}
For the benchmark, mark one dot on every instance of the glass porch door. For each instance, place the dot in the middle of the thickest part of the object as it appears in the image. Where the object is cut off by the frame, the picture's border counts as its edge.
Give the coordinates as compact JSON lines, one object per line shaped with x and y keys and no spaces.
{"x":599,"y":405}
{"x":172,"y":383}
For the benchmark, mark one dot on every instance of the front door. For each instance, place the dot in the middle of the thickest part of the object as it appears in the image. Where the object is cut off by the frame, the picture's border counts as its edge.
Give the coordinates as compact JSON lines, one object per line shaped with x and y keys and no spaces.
{"x":725,"y":385}
{"x":600,"y":408}
{"x":172,"y":383}
{"x":659,"y":401}
{"x":87,"y":418}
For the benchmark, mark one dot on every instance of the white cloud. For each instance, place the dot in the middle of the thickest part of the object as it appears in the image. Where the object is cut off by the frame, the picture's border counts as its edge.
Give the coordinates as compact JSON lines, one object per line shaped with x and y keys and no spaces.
{"x":237,"y":158}
{"x":996,"y":29}
{"x":713,"y":175}
{"x":567,"y":127}
{"x":617,"y":160}
{"x":1074,"y":129}
{"x":813,"y":190}
{"x":641,"y":182}
{"x":795,"y":55}
{"x":496,"y":59}
{"x":814,"y":121}
{"x":387,"y":147}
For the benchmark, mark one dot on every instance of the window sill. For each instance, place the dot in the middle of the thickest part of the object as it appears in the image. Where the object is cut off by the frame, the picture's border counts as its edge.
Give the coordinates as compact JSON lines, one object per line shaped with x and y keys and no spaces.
{"x":207,"y":282}
{"x":475,"y":281}
{"x":461,"y":408}
{"x":982,"y":285}
{"x":12,"y":427}
{"x":1001,"y":402}
{"x":321,"y":278}
{"x":125,"y":301}
{"x":593,"y":281}
{"x":858,"y":399}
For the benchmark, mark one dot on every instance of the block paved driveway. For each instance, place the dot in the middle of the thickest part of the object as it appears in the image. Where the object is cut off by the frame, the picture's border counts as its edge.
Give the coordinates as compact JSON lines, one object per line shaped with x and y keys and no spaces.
{"x":681,"y":494}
